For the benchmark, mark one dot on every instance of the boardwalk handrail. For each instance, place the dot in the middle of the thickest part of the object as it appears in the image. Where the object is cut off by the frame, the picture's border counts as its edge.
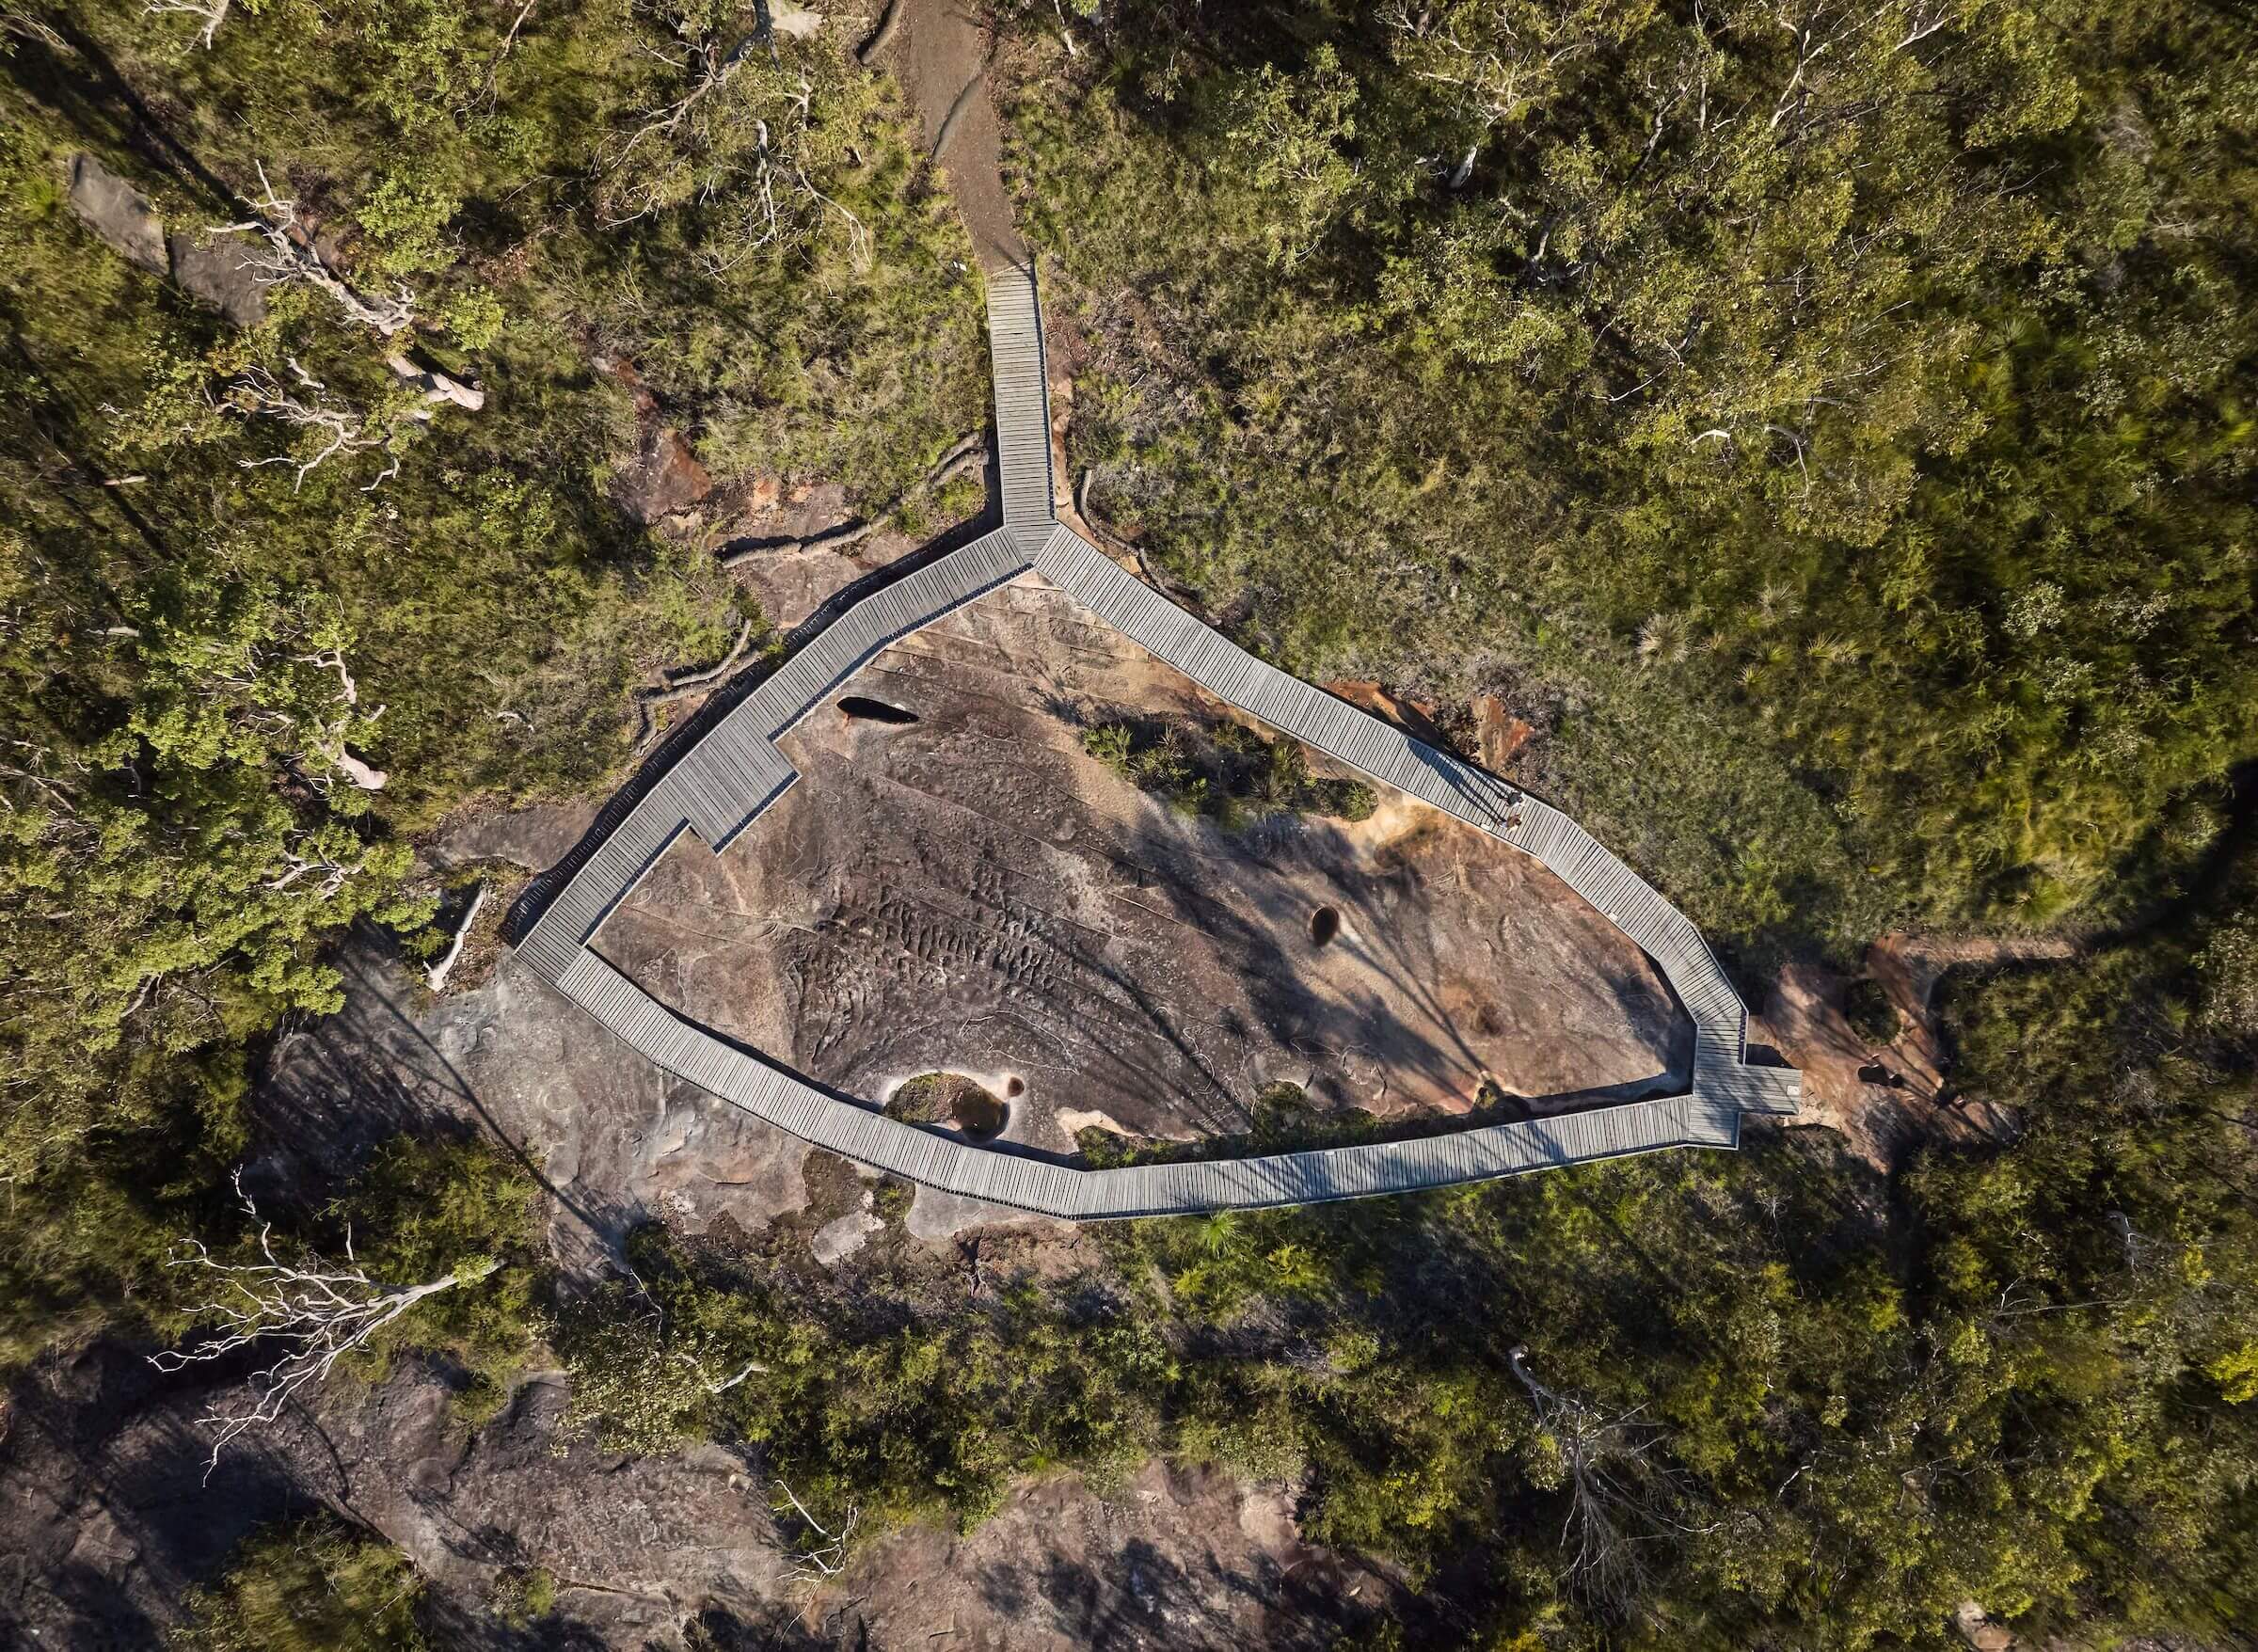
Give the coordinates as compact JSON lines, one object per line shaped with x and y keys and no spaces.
{"x":724,"y":778}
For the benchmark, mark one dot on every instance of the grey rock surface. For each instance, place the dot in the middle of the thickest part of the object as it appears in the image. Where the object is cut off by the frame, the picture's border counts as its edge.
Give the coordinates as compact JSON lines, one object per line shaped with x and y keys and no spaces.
{"x":106,"y":1520}
{"x":1174,"y":1558}
{"x":616,"y":1142}
{"x":970,"y":892}
{"x":214,"y":271}
{"x":118,"y":212}
{"x":127,"y":220}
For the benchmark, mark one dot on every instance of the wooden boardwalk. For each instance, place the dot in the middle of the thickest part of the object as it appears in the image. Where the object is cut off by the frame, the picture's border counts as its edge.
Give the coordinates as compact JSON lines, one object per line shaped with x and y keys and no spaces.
{"x":721,"y":782}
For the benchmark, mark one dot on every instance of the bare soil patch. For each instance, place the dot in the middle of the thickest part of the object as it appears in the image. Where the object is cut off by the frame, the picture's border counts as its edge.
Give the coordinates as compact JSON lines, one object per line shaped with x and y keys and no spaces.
{"x":940,"y":51}
{"x":1888,"y":1097}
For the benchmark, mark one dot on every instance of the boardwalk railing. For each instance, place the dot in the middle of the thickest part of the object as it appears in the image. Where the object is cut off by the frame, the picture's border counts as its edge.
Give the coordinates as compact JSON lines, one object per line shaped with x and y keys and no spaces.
{"x":724,"y":778}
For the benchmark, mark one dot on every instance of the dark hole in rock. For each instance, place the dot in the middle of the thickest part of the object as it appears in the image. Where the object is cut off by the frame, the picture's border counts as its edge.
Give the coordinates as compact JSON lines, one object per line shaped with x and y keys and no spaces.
{"x":855,"y":705}
{"x":1015,"y":1087}
{"x":1325,"y":923}
{"x":979,"y":1115}
{"x":1877,"y":1073}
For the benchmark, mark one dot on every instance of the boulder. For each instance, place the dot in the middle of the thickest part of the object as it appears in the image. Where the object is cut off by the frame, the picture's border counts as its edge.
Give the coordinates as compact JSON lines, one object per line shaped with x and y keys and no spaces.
{"x":126,"y":221}
{"x":121,"y":215}
{"x":214,"y":272}
{"x":1978,"y":1628}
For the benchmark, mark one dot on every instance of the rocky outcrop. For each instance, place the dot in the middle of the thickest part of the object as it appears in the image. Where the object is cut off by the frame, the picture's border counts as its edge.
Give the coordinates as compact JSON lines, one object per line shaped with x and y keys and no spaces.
{"x":127,"y":220}
{"x":665,"y":478}
{"x":213,"y":271}
{"x":106,"y":1519}
{"x":118,"y":214}
{"x":960,"y":887}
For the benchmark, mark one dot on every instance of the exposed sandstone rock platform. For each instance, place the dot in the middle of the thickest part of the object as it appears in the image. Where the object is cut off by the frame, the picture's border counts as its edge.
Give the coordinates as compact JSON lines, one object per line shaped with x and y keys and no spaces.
{"x":970,"y":892}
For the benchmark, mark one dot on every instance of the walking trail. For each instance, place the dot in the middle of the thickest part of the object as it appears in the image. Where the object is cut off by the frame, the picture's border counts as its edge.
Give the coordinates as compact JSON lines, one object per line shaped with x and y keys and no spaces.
{"x":718,"y":775}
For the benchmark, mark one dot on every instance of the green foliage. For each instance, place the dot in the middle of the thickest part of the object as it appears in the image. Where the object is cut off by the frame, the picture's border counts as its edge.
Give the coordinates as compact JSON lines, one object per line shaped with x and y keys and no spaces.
{"x":317,"y":1586}
{"x":403,"y":217}
{"x":523,"y":1598}
{"x":1856,"y":1402}
{"x":1867,"y":1006}
{"x":635,"y":1386}
{"x":919,"y":1100}
{"x":422,"y":1209}
{"x":1840,"y":431}
{"x":2228,"y":968}
{"x":1843,"y":426}
{"x":306,"y":574}
{"x":1111,"y":744}
{"x":1226,"y":770}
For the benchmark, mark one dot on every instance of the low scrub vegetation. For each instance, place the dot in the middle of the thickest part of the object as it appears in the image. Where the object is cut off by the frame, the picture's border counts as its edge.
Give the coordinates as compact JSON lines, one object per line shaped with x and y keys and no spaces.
{"x":1225,"y":772}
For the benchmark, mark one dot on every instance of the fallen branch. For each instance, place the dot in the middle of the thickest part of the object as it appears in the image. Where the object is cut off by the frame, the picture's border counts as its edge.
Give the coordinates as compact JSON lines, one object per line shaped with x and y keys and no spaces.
{"x":828,"y":1558}
{"x":1620,"y":1495}
{"x":752,"y":1367}
{"x":967,"y":455}
{"x":973,"y":87}
{"x":838,"y":538}
{"x":437,"y":974}
{"x":1106,"y":532}
{"x":682,"y":687}
{"x":436,"y":385}
{"x":257,"y":393}
{"x":214,"y":12}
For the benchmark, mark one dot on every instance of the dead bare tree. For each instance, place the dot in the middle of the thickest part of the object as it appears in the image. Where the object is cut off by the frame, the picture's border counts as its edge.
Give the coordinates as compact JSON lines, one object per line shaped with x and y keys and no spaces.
{"x":257,"y":393}
{"x":742,"y":154}
{"x":214,"y":12}
{"x":334,"y":873}
{"x":709,"y":70}
{"x":18,"y":20}
{"x":288,"y":254}
{"x":1622,"y":1499}
{"x":826,"y":1557}
{"x":434,"y":386}
{"x":315,"y":1311}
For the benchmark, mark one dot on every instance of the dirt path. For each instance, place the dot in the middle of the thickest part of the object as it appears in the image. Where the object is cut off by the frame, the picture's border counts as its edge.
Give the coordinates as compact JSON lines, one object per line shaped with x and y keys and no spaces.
{"x":1887,"y":1099}
{"x":940,"y":52}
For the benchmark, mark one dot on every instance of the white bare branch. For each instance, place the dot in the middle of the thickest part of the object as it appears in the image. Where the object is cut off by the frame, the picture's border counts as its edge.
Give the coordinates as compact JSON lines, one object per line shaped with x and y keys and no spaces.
{"x":1620,"y":1497}
{"x":314,"y":1310}
{"x":436,"y":385}
{"x":214,"y":12}
{"x":257,"y":393}
{"x":288,"y":254}
{"x":333,"y":873}
{"x":826,"y":1557}
{"x":437,"y":974}
{"x":710,"y":73}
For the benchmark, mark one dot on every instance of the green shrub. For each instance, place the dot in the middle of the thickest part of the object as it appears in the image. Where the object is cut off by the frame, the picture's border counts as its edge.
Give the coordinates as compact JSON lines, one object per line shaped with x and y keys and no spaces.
{"x":1348,"y":799}
{"x":633,"y":1387}
{"x":1867,"y":1006}
{"x":317,"y":1586}
{"x":423,"y":1207}
{"x":918,"y":1100}
{"x":1110,"y":743}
